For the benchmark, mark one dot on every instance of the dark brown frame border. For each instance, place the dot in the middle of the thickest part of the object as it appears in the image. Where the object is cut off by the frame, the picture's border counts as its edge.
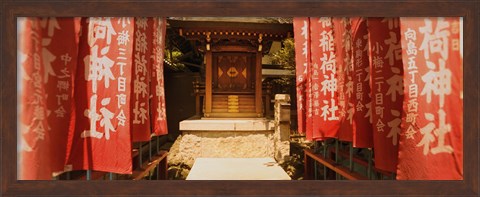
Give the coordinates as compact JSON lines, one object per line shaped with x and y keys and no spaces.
{"x":10,"y":9}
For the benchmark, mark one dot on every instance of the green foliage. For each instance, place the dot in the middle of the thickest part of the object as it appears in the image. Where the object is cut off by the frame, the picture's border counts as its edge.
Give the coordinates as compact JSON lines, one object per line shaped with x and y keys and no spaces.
{"x":172,"y":59}
{"x":285,"y":57}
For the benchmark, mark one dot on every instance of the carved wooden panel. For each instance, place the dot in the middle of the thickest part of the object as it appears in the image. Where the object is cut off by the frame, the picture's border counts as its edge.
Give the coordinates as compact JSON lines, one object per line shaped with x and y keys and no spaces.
{"x":232,"y":72}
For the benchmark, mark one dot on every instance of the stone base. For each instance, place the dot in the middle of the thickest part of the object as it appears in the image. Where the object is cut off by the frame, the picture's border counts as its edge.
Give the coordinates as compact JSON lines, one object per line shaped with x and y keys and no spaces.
{"x":223,"y":138}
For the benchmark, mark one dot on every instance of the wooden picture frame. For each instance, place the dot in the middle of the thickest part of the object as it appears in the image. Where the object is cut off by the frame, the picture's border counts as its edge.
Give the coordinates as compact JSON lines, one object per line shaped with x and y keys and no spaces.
{"x":11,"y":9}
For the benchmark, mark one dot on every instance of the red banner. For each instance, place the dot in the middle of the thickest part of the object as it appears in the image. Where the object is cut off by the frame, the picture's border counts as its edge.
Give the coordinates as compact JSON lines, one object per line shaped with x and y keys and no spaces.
{"x":100,"y":138}
{"x":325,"y":114}
{"x":430,"y":145}
{"x":386,"y":70}
{"x":142,"y":61}
{"x":302,"y":58}
{"x":343,"y":51}
{"x":48,"y":53}
{"x":362,"y":131}
{"x":157,"y":107}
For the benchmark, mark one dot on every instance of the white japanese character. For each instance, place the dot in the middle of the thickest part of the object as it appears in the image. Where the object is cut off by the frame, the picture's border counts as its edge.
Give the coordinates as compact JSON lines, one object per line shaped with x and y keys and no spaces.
{"x":359,"y":106}
{"x":140,"y":42}
{"x":139,"y":87}
{"x":437,"y":82}
{"x":435,"y":41}
{"x":65,"y":58}
{"x":430,"y":130}
{"x":395,"y":84}
{"x":63,"y":85}
{"x":328,"y":63}
{"x":121,"y":118}
{"x":380,"y":125}
{"x":326,"y":41}
{"x":107,"y":117}
{"x":329,"y":84}
{"x":394,"y":52}
{"x":305,"y":35}
{"x":141,"y":23}
{"x":410,"y":34}
{"x":60,"y":112}
{"x":325,"y":21}
{"x":93,"y":116}
{"x":394,"y":127}
{"x":102,"y":28}
{"x":96,"y":68}
{"x":123,"y":38}
{"x":124,"y":21}
{"x":140,"y":64}
{"x":140,"y":112}
{"x":121,"y":100}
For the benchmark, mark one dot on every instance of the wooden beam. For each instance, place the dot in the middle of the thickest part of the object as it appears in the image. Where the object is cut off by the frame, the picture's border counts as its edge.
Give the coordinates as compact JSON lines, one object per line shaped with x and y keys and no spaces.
{"x":359,"y":160}
{"x":208,"y":83}
{"x":258,"y":84}
{"x":147,"y":166}
{"x":233,"y":48}
{"x":330,"y":164}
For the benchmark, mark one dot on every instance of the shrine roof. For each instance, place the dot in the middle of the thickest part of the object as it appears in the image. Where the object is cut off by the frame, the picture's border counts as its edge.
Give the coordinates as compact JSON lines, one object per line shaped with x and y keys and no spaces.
{"x":248,"y":29}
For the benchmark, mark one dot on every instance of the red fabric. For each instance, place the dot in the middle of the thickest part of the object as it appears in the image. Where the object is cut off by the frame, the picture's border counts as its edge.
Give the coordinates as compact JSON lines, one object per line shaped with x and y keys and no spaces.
{"x":142,"y":61}
{"x":325,"y":114}
{"x":430,"y":145}
{"x":343,"y":51}
{"x":100,"y":138}
{"x":302,"y":59}
{"x":48,"y":53}
{"x":157,"y":107}
{"x":386,"y":70}
{"x":362,"y":127}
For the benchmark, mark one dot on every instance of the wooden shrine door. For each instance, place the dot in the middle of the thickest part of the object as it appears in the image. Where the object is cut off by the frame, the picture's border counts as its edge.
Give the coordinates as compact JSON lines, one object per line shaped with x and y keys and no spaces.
{"x":232,"y":73}
{"x":233,"y":84}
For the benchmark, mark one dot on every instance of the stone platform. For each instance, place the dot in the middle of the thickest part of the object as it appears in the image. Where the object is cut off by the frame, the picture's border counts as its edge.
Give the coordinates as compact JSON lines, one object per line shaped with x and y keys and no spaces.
{"x":218,"y":124}
{"x":229,"y":138}
{"x":234,"y":137}
{"x":237,"y":169}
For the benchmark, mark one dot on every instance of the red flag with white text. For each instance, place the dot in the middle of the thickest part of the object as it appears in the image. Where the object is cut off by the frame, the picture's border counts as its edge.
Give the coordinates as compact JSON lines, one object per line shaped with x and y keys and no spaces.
{"x":157,"y":106}
{"x":386,"y":70}
{"x":302,"y":59}
{"x":325,"y":114}
{"x":362,"y":119}
{"x":343,"y":54}
{"x":430,"y":146}
{"x":47,"y":56}
{"x":141,"y":69}
{"x":100,"y":137}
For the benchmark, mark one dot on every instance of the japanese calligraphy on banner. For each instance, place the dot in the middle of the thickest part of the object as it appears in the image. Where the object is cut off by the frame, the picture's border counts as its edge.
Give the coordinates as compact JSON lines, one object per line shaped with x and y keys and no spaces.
{"x":142,"y":61}
{"x":343,"y":50}
{"x":47,"y":56}
{"x":432,"y":124}
{"x":101,"y":137}
{"x":325,"y":115}
{"x":301,"y":27}
{"x":157,"y":107}
{"x":386,"y":70}
{"x":362,"y":119}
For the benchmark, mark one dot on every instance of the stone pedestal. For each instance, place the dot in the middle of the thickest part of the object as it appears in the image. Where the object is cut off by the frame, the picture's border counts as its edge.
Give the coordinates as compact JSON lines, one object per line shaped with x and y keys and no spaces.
{"x":281,"y":136}
{"x":234,"y":138}
{"x":223,"y":138}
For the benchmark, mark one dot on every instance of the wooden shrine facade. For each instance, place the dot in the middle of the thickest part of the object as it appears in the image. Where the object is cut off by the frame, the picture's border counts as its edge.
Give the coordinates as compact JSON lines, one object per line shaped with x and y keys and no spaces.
{"x":233,"y":54}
